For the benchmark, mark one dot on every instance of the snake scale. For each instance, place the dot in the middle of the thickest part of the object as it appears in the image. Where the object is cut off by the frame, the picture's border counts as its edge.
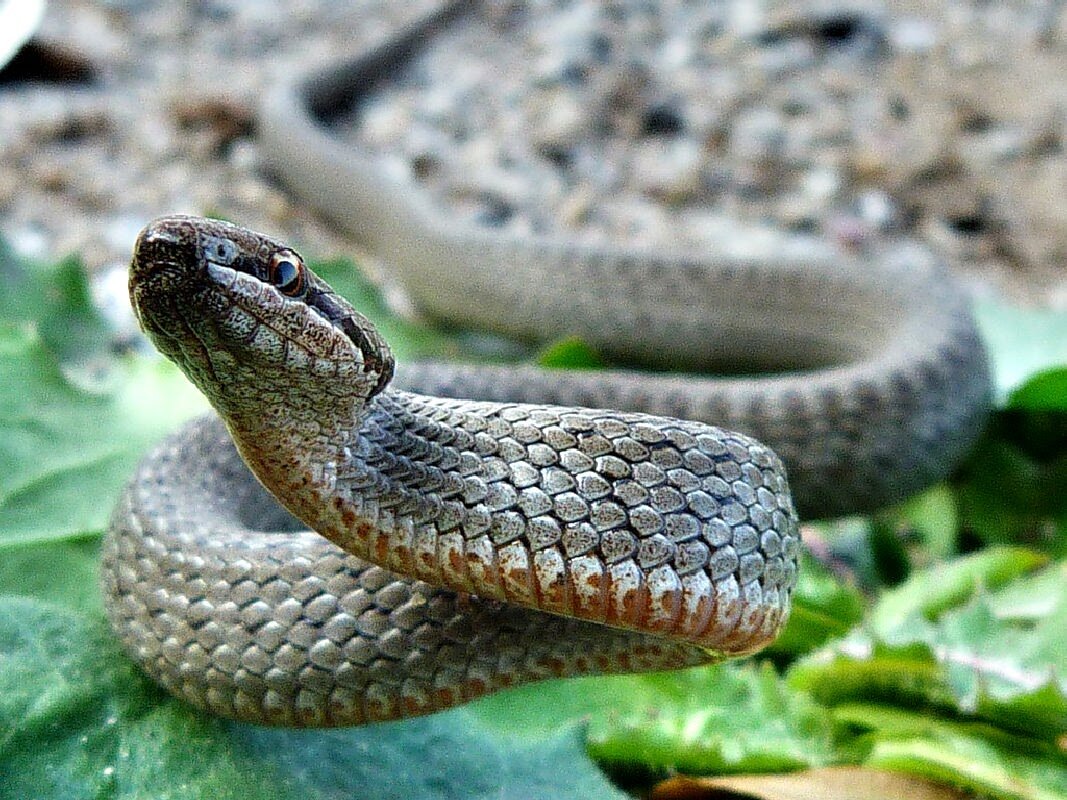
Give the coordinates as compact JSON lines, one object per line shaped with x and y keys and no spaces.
{"x":463,"y":546}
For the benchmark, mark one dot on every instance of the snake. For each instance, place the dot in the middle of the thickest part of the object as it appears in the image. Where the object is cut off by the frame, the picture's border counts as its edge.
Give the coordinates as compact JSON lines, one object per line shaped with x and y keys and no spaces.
{"x":346,"y":540}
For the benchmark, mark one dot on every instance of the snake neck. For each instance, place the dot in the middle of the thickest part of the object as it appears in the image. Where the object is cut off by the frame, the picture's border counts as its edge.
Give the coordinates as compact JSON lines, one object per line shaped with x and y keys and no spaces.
{"x":294,"y":448}
{"x":359,"y":465}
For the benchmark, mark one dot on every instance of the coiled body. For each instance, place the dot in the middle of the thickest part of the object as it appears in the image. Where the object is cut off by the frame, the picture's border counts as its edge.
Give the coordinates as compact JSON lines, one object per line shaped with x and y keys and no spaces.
{"x":506,"y":541}
{"x":463,"y":546}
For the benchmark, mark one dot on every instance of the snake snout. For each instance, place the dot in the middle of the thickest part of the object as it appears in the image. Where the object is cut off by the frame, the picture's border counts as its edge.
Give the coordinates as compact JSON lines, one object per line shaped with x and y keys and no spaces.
{"x":163,"y":246}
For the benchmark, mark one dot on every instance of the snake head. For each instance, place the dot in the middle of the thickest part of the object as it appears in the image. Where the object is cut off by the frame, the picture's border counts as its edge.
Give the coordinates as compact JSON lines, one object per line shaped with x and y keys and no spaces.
{"x":248,"y":321}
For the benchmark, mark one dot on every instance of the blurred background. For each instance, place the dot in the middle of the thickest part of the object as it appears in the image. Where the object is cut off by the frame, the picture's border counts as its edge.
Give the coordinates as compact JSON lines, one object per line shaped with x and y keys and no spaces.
{"x":650,"y":121}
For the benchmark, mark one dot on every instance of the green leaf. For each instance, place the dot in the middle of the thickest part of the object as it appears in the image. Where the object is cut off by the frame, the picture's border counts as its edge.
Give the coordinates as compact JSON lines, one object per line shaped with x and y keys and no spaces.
{"x":1045,"y":391}
{"x":946,"y":586}
{"x":77,"y":721}
{"x":63,"y":572}
{"x":55,"y":301}
{"x":972,"y":756}
{"x":727,"y":718}
{"x":66,"y":451}
{"x":570,"y":353}
{"x":986,"y":657}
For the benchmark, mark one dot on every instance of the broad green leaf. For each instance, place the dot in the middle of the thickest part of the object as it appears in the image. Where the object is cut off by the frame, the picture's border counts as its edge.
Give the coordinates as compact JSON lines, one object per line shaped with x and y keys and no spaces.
{"x":972,"y":756}
{"x":63,"y":572}
{"x":1033,"y":599}
{"x":729,"y":718}
{"x":66,"y":451}
{"x":77,"y":721}
{"x":55,"y":301}
{"x":1008,"y":669}
{"x":944,"y":586}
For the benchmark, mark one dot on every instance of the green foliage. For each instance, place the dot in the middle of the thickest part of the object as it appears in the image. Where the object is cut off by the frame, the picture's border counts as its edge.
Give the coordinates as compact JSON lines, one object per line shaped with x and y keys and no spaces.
{"x":957,"y":672}
{"x":570,"y":353}
{"x":957,"y":682}
{"x":78,"y":721}
{"x":728,"y":718}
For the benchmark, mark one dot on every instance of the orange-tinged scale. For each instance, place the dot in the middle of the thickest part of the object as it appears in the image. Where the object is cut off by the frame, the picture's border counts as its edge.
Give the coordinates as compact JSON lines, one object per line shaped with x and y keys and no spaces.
{"x":554,"y":665}
{"x":483,"y":570}
{"x":378,"y":705}
{"x":381,"y":548}
{"x":348,"y":520}
{"x":628,"y":598}
{"x":451,"y":556}
{"x":589,"y":587}
{"x":550,"y":581}
{"x":475,"y":687}
{"x":442,"y":697}
{"x":400,"y":559}
{"x":749,"y":621}
{"x":697,"y":605}
{"x":425,"y":564}
{"x":355,"y":534}
{"x":412,"y":708}
{"x":665,"y":599}
{"x":516,"y":574}
{"x":725,"y":613}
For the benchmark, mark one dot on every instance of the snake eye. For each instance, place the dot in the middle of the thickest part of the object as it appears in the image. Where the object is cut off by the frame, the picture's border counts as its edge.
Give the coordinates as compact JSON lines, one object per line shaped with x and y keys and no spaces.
{"x":287,"y":273}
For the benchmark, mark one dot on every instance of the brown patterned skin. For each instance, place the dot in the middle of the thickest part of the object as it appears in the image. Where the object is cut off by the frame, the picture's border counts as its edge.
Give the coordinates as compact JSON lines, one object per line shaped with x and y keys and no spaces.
{"x":472,"y":545}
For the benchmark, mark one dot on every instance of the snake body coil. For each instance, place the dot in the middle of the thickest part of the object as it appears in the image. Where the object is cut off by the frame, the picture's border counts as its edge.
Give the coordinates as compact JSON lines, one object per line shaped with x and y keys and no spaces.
{"x":678,"y":536}
{"x":472,"y":545}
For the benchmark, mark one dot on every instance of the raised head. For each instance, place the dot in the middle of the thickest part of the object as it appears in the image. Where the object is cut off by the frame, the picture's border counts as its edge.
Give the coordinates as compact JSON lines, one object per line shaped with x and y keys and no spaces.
{"x":250,"y":324}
